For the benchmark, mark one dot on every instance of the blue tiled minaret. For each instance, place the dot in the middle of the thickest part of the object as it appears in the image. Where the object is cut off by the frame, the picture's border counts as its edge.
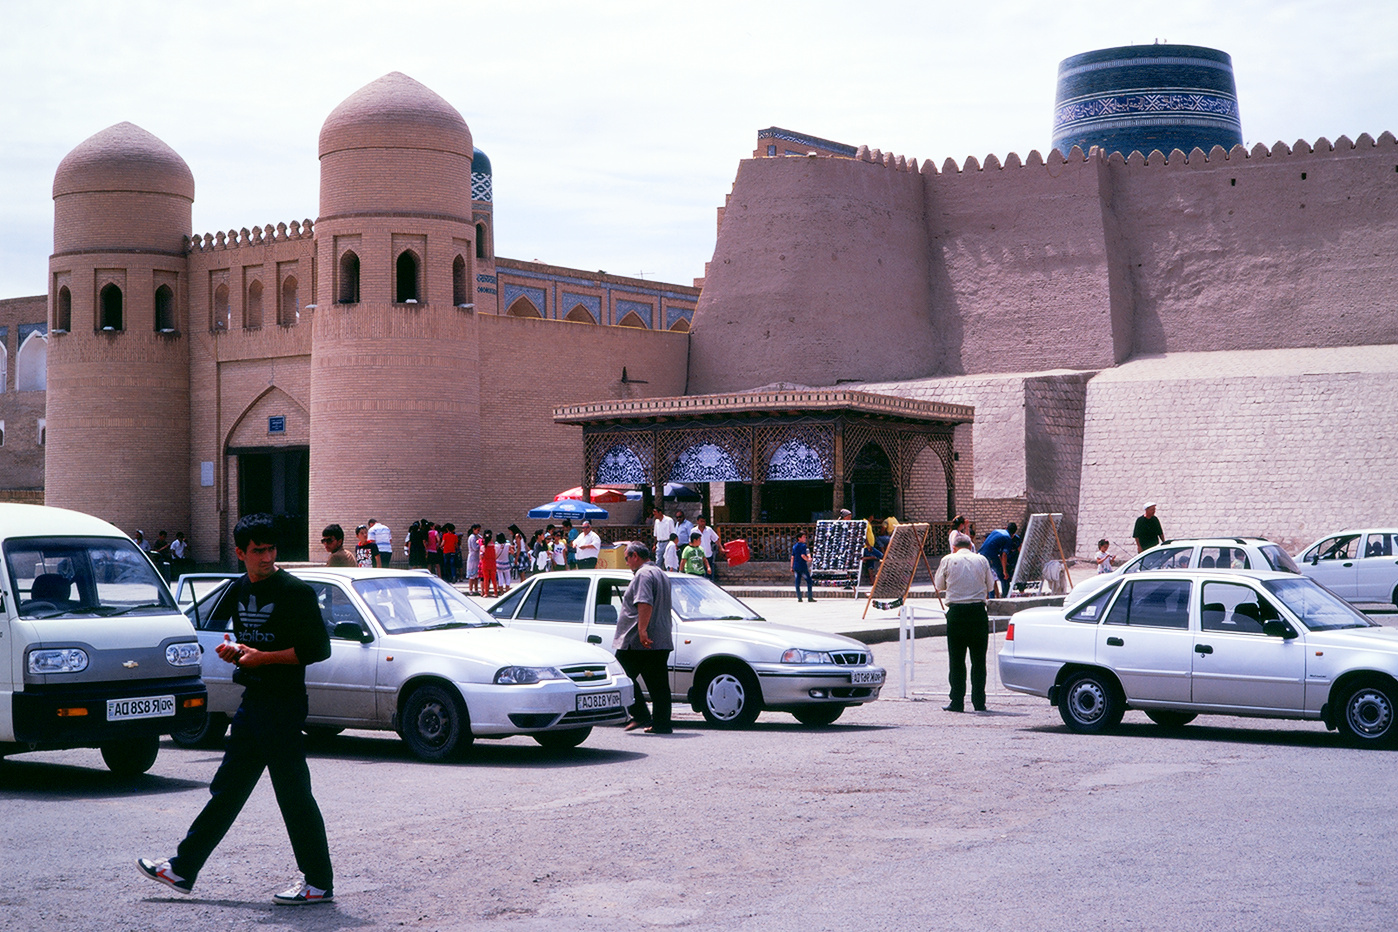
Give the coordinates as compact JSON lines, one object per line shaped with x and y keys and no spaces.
{"x":1147,"y":97}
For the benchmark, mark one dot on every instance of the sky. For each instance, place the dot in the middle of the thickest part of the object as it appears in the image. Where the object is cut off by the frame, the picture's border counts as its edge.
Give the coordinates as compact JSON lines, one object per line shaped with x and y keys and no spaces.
{"x":615,"y":128}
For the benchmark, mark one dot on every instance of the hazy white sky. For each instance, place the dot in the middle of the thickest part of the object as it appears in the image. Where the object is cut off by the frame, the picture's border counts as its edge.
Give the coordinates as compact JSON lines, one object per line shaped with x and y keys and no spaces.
{"x":615,"y":128}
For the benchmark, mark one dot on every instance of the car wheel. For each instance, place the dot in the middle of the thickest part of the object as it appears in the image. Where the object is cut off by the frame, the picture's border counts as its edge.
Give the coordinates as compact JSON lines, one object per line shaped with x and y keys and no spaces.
{"x":1395,"y":596}
{"x":730,"y":697}
{"x":1366,"y":714}
{"x":435,"y":725}
{"x":1089,"y":703}
{"x":1168,"y":718}
{"x":819,"y":714}
{"x":132,"y":757}
{"x":562,"y":740}
{"x":208,"y":733}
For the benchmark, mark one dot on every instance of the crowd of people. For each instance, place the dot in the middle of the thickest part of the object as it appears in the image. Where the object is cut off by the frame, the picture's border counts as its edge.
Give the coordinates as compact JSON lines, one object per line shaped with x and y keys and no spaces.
{"x":171,"y":557}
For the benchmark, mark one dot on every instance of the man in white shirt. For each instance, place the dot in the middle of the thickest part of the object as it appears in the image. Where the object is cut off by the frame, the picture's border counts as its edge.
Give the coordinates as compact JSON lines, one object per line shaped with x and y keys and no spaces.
{"x":383,"y":540}
{"x":587,"y":545}
{"x":709,"y":541}
{"x":664,"y":527}
{"x":968,"y":580}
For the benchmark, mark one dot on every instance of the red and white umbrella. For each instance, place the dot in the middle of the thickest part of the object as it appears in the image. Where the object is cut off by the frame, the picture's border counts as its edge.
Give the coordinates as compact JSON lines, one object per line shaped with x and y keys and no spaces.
{"x":599,"y":496}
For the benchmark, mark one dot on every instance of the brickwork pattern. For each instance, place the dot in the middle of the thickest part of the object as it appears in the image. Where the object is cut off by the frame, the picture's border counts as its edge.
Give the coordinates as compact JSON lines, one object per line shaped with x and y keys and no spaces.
{"x":1285,"y":445}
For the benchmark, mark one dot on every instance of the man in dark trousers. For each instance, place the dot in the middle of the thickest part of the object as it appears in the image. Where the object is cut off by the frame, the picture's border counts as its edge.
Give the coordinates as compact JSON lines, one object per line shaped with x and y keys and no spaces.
{"x":644,"y":639}
{"x":967,"y":579}
{"x":279,"y":632}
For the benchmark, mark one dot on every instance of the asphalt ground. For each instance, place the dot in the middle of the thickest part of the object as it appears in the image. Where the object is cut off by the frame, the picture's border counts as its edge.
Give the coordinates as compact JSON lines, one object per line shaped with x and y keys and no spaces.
{"x":899,"y":816}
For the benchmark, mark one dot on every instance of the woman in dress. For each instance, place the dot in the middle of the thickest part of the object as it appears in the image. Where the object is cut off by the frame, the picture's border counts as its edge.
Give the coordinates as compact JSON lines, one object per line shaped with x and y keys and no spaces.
{"x":487,"y":565}
{"x":504,"y":561}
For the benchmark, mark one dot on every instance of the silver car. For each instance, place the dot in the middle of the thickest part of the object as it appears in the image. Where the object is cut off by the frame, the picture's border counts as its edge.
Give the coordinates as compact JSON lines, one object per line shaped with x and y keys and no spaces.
{"x":1361,"y":566}
{"x":728,"y":662}
{"x":1175,"y":644}
{"x":1201,"y":553}
{"x":409,"y":653}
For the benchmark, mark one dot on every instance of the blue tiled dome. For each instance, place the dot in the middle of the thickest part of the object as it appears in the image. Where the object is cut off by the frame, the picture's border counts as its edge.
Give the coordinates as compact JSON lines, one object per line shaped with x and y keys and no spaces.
{"x":480,"y":163}
{"x":1147,"y":97}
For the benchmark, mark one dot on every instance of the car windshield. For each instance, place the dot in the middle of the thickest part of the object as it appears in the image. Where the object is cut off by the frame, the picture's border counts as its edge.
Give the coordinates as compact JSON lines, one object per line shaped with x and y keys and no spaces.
{"x":83,"y":576}
{"x":694,"y":598}
{"x":418,"y":603}
{"x":1318,"y":607}
{"x":1279,"y":560}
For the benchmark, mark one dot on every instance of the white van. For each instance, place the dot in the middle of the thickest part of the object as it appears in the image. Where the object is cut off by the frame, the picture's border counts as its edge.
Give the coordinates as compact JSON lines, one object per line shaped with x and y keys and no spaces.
{"x":93,"y":651}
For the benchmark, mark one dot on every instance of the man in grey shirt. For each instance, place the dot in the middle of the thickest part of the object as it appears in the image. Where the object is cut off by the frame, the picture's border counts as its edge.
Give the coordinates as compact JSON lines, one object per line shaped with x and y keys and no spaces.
{"x":643,"y":639}
{"x":967,"y":579}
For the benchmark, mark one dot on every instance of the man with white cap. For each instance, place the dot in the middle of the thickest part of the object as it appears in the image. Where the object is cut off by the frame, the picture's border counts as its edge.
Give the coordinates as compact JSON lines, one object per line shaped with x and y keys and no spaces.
{"x":968,"y":581}
{"x":1148,"y":531}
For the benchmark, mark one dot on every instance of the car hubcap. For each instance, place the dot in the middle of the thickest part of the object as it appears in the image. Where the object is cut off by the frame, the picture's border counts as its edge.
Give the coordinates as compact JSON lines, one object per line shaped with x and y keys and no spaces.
{"x":1369,"y":713}
{"x":1087,"y":701}
{"x":725,"y":697}
{"x":432,"y":723}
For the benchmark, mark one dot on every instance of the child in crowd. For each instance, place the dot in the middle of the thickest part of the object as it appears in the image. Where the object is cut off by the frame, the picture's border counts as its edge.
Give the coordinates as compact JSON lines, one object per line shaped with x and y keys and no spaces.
{"x":1103,"y":556}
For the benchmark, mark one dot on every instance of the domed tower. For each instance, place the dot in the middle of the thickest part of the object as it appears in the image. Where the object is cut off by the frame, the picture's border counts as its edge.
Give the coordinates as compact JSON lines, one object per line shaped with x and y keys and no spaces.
{"x":118,"y":364}
{"x":395,"y":408}
{"x":1147,"y":97}
{"x":485,"y":288}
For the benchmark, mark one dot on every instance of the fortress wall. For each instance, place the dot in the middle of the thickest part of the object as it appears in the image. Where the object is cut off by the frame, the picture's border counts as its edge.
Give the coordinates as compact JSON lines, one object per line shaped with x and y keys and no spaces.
{"x":1018,"y":265}
{"x":395,"y":416}
{"x":1277,"y":443}
{"x":819,"y":275}
{"x":118,"y":438}
{"x":239,"y":257}
{"x":529,"y":366}
{"x":1259,"y":250}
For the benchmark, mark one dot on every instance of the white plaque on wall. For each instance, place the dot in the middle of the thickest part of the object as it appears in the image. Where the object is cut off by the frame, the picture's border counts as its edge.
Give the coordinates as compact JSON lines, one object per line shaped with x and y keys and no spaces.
{"x":206,"y":472}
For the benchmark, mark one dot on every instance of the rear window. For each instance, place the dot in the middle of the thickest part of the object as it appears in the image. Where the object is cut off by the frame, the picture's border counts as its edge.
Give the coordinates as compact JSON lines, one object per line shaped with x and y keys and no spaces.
{"x":1279,"y":560}
{"x":55,"y":577}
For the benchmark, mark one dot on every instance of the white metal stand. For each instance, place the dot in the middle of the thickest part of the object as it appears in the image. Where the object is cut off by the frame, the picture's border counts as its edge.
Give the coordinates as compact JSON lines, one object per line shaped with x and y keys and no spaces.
{"x":907,"y":639}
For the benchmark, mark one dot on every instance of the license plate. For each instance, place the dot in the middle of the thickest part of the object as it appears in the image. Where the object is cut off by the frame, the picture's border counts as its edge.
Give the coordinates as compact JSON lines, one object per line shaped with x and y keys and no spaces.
{"x":143,"y":707}
{"x":589,"y":702}
{"x":866,"y":677}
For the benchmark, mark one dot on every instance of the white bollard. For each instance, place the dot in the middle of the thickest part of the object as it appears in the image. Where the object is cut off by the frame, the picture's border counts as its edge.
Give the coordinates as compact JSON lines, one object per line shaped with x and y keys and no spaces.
{"x":907,"y":640}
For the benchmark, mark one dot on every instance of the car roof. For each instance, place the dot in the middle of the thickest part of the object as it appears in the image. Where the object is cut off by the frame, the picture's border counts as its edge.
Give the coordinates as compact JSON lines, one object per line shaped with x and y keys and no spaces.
{"x":1208,"y":541}
{"x":47,"y":521}
{"x":1208,"y":574}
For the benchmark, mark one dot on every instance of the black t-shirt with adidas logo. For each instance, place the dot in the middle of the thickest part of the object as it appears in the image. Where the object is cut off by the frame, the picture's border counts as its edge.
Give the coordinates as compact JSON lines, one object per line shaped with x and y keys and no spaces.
{"x":279,"y":612}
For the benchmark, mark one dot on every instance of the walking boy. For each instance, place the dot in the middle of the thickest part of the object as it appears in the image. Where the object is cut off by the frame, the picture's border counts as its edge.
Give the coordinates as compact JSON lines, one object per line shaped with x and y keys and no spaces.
{"x":278,"y":614}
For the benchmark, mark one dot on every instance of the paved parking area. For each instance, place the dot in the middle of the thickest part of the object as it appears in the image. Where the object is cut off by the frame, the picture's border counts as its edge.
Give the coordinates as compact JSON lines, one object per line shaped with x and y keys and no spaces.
{"x":900,"y":816}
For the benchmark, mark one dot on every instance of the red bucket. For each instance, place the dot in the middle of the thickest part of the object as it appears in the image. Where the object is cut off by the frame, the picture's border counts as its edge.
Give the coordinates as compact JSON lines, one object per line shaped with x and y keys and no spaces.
{"x":737,"y":552}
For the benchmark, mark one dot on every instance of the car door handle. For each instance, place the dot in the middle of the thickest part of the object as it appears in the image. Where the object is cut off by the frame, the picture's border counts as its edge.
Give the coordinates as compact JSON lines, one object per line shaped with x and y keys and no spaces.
{"x":1115,"y":642}
{"x":1203,"y":649}
{"x":594,"y":639}
{"x":1348,"y":564}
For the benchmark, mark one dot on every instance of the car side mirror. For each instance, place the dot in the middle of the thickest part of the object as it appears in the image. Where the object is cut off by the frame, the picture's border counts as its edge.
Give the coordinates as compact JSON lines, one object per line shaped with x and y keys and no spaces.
{"x":349,"y":631}
{"x":1276,"y":628}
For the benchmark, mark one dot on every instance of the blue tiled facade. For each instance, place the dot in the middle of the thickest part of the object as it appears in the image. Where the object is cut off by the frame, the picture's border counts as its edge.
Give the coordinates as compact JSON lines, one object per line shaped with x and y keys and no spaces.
{"x":589,"y":301}
{"x":1147,"y":97}
{"x":644,"y":311}
{"x":513,"y":293}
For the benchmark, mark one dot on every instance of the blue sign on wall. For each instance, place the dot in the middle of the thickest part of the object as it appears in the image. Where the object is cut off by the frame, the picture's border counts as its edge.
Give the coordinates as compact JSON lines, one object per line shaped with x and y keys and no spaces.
{"x":276,"y":424}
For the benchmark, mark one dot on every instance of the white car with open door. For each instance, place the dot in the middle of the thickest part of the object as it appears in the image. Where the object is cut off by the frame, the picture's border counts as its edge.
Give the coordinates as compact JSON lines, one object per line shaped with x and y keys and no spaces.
{"x":1361,"y":566}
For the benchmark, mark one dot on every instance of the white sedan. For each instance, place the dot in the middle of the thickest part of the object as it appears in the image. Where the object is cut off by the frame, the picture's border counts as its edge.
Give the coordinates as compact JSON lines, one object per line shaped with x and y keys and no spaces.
{"x":1175,"y":644}
{"x":411,"y":654}
{"x":728,"y":663}
{"x":1361,"y":566}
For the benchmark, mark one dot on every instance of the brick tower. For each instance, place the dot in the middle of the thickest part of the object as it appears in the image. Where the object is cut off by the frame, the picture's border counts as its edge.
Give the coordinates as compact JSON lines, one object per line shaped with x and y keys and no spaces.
{"x":118,"y":361}
{"x":395,"y":391}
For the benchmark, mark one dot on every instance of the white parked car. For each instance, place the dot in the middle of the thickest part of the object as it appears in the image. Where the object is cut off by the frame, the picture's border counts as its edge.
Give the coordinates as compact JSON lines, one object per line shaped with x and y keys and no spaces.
{"x":1203,"y":553}
{"x":1361,"y":566}
{"x":1177,"y":643}
{"x":728,"y":663}
{"x":411,"y":654}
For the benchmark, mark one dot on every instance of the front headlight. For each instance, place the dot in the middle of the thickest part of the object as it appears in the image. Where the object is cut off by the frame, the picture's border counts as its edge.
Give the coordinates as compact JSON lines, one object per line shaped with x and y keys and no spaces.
{"x":65,"y":660}
{"x":615,"y":669}
{"x":797,"y":655}
{"x":522,"y":676}
{"x":183,"y":655}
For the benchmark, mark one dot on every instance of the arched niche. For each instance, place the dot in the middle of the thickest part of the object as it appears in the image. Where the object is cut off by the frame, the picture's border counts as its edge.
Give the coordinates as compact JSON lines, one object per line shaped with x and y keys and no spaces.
{"x":31,"y":364}
{"x":523,"y":307}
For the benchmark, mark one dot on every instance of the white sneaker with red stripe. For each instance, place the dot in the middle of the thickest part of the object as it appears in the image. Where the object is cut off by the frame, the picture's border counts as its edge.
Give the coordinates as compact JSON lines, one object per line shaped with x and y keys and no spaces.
{"x":160,"y":872}
{"x":303,"y":894}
